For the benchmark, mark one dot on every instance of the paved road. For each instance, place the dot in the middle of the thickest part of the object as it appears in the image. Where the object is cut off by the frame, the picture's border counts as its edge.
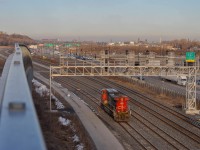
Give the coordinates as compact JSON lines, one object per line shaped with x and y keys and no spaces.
{"x":169,"y":85}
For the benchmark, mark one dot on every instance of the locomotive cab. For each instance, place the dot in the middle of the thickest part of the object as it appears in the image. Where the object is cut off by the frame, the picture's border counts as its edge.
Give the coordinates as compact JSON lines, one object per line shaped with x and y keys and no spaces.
{"x":122,"y":111}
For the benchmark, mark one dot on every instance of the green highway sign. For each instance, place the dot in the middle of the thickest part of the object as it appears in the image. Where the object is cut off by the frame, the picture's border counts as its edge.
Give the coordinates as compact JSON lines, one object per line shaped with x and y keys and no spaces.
{"x":190,"y":56}
{"x":49,"y":45}
{"x":77,"y":45}
{"x":72,"y":45}
{"x":68,"y":45}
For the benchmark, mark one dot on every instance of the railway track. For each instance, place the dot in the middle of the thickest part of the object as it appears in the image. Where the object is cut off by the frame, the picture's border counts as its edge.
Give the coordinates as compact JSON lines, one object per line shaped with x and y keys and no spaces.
{"x":44,"y":61}
{"x":94,"y":105}
{"x":6,"y":52}
{"x":168,"y":139}
{"x":171,"y":110}
{"x":168,"y":109}
{"x":175,"y":144}
{"x":184,"y":129}
{"x":136,"y":136}
{"x":144,"y":143}
{"x":172,"y":141}
{"x":162,"y":134}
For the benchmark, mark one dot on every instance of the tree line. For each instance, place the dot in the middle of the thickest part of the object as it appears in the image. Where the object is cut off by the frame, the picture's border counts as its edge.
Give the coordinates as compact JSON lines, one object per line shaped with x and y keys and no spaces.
{"x":6,"y":40}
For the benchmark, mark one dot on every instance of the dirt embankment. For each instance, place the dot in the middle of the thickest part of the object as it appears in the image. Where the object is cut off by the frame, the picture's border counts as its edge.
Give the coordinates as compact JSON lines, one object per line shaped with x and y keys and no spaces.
{"x":2,"y":62}
{"x":56,"y":135}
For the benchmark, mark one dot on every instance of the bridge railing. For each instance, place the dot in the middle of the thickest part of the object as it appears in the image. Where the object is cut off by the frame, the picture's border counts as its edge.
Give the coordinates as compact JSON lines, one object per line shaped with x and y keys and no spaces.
{"x":19,"y":126}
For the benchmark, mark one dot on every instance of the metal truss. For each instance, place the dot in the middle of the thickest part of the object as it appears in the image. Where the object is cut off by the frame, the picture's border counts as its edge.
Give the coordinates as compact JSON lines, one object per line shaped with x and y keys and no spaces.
{"x":190,"y":105}
{"x":114,"y":70}
{"x":107,"y":65}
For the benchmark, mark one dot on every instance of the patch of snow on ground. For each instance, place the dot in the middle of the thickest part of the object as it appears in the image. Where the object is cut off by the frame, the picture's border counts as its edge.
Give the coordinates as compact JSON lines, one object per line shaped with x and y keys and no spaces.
{"x":75,"y":138}
{"x":80,"y":147}
{"x":40,"y":88}
{"x":64,"y":121}
{"x":58,"y":104}
{"x":43,"y":91}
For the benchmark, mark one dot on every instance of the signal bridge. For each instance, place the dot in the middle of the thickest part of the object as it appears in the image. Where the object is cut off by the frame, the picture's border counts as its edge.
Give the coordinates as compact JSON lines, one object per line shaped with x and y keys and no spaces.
{"x":134,"y":65}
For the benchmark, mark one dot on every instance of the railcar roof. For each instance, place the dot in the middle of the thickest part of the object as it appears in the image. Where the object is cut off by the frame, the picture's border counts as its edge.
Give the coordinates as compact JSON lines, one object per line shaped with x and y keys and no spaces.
{"x":110,"y":90}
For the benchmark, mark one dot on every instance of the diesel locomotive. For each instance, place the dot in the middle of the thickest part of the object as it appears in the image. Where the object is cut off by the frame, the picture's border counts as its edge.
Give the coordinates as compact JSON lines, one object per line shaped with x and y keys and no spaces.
{"x":115,"y":104}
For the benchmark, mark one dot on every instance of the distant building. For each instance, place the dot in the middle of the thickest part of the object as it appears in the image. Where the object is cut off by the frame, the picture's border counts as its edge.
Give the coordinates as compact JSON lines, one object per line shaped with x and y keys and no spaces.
{"x":169,"y":47}
{"x":33,"y":46}
{"x":126,"y":43}
{"x":40,"y":45}
{"x":111,"y":44}
{"x":121,"y":44}
{"x":129,"y":43}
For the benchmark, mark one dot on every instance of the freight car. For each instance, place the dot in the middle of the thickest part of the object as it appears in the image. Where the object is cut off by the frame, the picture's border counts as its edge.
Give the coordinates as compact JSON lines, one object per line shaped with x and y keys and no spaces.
{"x":115,"y":104}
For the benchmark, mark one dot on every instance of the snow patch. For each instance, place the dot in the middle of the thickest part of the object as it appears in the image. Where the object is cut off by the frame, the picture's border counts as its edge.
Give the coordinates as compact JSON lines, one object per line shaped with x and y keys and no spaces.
{"x":63,"y":121}
{"x":58,"y":104}
{"x":42,"y":90}
{"x":75,"y":138}
{"x":80,"y":147}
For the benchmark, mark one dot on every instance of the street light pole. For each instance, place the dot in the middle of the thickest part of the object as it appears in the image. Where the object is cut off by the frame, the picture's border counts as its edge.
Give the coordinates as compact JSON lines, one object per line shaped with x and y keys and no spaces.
{"x":50,"y":88}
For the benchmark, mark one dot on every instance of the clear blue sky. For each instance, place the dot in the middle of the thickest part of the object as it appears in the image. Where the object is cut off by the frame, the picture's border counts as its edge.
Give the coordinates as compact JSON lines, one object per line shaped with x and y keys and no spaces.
{"x":102,"y":19}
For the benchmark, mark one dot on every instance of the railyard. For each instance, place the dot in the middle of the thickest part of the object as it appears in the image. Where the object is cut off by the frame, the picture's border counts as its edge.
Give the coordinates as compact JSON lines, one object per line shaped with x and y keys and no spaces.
{"x":154,"y":123}
{"x":99,"y":75}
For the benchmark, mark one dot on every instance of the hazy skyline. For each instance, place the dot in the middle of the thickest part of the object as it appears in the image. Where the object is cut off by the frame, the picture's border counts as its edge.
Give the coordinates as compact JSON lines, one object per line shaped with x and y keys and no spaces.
{"x":102,"y":20}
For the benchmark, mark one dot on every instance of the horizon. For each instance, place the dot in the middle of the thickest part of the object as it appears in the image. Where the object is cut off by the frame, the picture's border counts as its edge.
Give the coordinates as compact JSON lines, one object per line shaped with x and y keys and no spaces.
{"x":115,"y":39}
{"x":102,"y":20}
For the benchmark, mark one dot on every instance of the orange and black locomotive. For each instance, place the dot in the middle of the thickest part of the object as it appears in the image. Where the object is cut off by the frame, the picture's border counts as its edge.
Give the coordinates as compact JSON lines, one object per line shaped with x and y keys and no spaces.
{"x":115,"y":104}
